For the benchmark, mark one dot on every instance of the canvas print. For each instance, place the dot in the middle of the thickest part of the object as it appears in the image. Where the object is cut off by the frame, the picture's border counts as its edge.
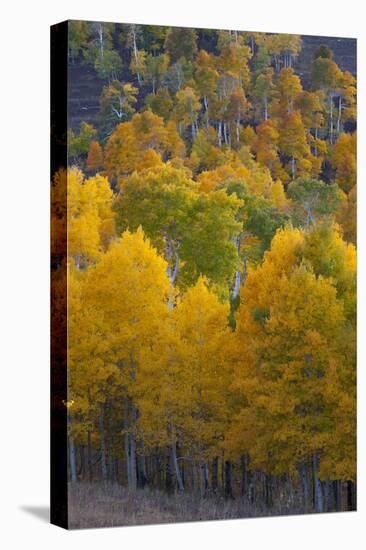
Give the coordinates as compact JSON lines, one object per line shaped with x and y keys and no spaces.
{"x":203,"y":274}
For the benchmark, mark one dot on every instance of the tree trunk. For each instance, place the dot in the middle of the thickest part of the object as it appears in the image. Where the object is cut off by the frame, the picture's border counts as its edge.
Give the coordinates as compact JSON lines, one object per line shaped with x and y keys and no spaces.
{"x":351,"y":496}
{"x":244,"y":475}
{"x":318,"y":493}
{"x":316,"y":147}
{"x":194,"y":481}
{"x":102,"y":443}
{"x":339,"y":114}
{"x":205,"y":102}
{"x":228,"y":480}
{"x":90,"y":467}
{"x":172,"y":272}
{"x":327,"y":496}
{"x":193,"y":131}
{"x":237,"y":279}
{"x":101,"y":40}
{"x":269,"y":485}
{"x":178,"y":475}
{"x":304,"y":473}
{"x":238,"y":131}
{"x":337,"y":495}
{"x":331,"y":119}
{"x":263,"y":480}
{"x":225,"y":133}
{"x":203,"y":480}
{"x":133,"y":449}
{"x":111,"y":472}
{"x":215,"y":475}
{"x":219,"y":133}
{"x":127,"y":444}
{"x":141,"y":468}
{"x":81,"y":470}
{"x":72,"y":458}
{"x":253,"y":488}
{"x":169,"y":471}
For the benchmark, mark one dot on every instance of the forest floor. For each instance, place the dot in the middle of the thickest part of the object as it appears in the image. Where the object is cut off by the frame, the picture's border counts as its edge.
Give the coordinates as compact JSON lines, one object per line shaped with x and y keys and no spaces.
{"x":109,"y":505}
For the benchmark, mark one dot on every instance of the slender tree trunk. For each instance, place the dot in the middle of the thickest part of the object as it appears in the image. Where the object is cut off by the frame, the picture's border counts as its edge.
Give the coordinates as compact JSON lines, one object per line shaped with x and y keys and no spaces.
{"x":225,"y":133}
{"x":178,"y":475}
{"x":351,"y":496}
{"x":339,"y":114}
{"x":219,"y":133}
{"x":237,"y":279}
{"x":318,"y":493}
{"x":327,"y":496}
{"x":72,"y":457}
{"x":102,"y":443}
{"x":101,"y":40}
{"x":237,"y":131}
{"x":215,"y":475}
{"x":337,"y":495}
{"x":316,"y":147}
{"x":205,"y":102}
{"x":245,"y":271}
{"x":293,"y":168}
{"x":244,"y":475}
{"x":90,"y":467}
{"x":141,"y":468}
{"x":193,"y":131}
{"x":133,"y":448}
{"x":269,"y":486}
{"x":263,"y":480}
{"x":331,"y":118}
{"x":253,"y":488}
{"x":81,"y":470}
{"x":304,"y":473}
{"x":228,"y":480}
{"x":135,"y":53}
{"x":203,"y":475}
{"x":172,"y":272}
{"x":110,"y":443}
{"x":194,"y":481}
{"x":169,"y":471}
{"x":203,"y":480}
{"x":127,"y":443}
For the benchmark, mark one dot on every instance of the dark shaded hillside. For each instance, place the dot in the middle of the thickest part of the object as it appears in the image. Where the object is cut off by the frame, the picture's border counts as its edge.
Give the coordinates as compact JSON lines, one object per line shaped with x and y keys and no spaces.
{"x":344,"y":50}
{"x":85,"y":88}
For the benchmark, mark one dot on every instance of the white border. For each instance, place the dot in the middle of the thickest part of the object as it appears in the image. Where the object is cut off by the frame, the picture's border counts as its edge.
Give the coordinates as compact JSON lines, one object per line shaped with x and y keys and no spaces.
{"x":24,"y":180}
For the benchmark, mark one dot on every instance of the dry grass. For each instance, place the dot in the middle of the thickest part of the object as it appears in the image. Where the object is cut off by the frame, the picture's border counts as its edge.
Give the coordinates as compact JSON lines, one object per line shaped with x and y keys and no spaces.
{"x":110,"y":505}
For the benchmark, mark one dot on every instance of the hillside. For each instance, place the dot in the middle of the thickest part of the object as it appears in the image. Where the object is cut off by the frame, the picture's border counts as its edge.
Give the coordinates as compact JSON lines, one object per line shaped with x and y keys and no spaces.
{"x":85,"y":88}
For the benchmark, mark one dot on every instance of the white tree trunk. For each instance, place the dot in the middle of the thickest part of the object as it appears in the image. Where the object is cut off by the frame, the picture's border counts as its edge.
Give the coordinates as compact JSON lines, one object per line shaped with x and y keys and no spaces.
{"x":318,"y":493}
{"x":339,"y":114}
{"x":101,"y":40}
{"x":205,"y":102}
{"x":178,"y":474}
{"x":219,"y":133}
{"x":293,"y":167}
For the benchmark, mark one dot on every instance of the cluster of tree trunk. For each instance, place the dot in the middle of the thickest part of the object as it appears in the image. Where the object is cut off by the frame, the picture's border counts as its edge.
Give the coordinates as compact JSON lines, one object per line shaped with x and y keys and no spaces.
{"x":165,"y":469}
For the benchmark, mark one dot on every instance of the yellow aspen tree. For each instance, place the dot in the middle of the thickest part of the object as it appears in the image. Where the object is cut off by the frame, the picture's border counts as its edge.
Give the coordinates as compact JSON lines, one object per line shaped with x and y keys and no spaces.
{"x":124,"y":304}
{"x":90,"y":216}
